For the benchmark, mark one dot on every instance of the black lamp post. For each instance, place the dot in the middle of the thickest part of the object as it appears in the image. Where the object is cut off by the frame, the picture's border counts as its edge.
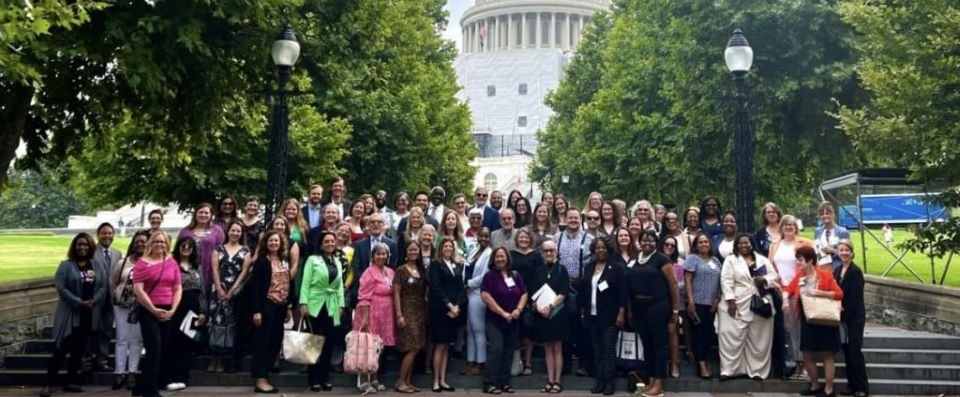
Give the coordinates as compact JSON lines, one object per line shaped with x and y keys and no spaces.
{"x":739,"y":58}
{"x":285,"y":52}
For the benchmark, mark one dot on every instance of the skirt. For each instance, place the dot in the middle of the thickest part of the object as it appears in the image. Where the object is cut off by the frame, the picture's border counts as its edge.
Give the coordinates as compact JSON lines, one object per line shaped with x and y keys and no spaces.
{"x":819,"y":338}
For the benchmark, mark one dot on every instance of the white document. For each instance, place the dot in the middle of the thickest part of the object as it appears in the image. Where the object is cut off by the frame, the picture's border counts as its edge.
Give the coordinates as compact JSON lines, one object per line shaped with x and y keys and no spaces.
{"x":544,"y":296}
{"x":187,"y":325}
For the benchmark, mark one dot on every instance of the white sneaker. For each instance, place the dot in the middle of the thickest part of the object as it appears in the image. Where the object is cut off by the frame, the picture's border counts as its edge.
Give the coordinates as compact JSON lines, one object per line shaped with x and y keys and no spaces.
{"x":176,"y":386}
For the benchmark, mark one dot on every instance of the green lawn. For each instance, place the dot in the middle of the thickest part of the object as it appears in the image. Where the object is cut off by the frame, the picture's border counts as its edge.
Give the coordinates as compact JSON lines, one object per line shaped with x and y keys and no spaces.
{"x":878,"y":259}
{"x":35,"y":256}
{"x":25,"y":257}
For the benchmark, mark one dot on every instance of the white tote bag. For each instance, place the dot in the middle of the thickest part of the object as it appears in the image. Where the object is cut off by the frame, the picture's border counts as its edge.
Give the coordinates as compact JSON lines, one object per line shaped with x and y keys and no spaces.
{"x":629,"y":347}
{"x":301,"y":347}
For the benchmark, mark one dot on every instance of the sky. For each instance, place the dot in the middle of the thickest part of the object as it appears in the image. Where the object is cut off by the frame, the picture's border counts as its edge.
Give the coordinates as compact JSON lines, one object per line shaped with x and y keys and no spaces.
{"x":456,"y":9}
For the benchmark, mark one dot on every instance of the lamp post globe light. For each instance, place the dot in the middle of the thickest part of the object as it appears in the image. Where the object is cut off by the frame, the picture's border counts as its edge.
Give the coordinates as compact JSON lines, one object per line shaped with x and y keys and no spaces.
{"x":285,"y":52}
{"x":739,"y":58}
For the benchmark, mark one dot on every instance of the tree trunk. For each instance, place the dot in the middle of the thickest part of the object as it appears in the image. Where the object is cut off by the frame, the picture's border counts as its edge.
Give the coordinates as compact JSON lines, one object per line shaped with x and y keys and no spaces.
{"x":13,"y":121}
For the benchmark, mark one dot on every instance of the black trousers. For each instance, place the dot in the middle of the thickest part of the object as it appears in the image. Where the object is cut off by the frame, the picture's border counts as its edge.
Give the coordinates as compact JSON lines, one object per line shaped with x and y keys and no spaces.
{"x":179,"y":358}
{"x":75,"y":345}
{"x":853,"y":353}
{"x":319,"y":373}
{"x":244,"y":326}
{"x":603,"y":341}
{"x":779,"y":359}
{"x":156,"y":341}
{"x":579,"y":340}
{"x":502,"y":341}
{"x":268,"y":338}
{"x":704,"y":335}
{"x":654,"y":320}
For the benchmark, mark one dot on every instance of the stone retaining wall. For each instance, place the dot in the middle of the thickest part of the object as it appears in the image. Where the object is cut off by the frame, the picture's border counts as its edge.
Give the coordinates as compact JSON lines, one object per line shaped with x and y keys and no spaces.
{"x":26,"y":308}
{"x":919,"y":307}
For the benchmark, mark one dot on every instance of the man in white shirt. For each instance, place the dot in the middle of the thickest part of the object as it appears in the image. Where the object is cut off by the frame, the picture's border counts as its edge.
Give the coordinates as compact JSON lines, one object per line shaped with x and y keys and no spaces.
{"x":436,"y":209}
{"x":313,"y":210}
{"x":338,"y":196}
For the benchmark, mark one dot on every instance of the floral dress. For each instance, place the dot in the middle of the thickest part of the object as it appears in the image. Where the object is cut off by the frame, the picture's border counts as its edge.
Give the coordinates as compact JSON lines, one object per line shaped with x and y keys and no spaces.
{"x":222,"y":312}
{"x":413,"y":300}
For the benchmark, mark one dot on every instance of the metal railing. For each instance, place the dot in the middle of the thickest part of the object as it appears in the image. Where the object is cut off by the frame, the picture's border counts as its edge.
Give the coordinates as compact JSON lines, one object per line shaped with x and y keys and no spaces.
{"x":490,"y":145}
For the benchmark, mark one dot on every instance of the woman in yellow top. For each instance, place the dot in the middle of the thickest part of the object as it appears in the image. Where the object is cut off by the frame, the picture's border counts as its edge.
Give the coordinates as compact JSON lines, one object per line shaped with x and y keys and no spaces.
{"x":321,"y":303}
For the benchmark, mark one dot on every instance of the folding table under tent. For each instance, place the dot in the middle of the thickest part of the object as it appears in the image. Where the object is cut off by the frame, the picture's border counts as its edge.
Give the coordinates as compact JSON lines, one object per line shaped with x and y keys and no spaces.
{"x":901,"y":201}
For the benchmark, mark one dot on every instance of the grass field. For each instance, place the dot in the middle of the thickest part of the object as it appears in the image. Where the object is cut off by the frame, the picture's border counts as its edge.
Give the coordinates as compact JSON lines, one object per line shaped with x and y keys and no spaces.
{"x":35,"y":256}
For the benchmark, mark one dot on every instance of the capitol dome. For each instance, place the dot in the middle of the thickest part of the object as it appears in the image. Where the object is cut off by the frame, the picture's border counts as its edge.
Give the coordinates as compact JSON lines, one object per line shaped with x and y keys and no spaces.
{"x":499,"y":25}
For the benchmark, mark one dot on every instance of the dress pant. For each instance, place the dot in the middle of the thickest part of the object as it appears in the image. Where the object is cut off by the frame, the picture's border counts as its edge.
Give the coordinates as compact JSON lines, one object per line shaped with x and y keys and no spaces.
{"x":476,"y":329}
{"x":502,"y":341}
{"x":244,"y":326}
{"x":579,"y":340}
{"x":603,"y":341}
{"x":156,"y":342}
{"x":129,"y":343}
{"x":780,"y":357}
{"x":319,"y":373}
{"x":704,"y":335}
{"x":653,"y":324}
{"x":268,"y":339}
{"x":853,"y":353}
{"x":75,"y":345}
{"x":178,"y":360}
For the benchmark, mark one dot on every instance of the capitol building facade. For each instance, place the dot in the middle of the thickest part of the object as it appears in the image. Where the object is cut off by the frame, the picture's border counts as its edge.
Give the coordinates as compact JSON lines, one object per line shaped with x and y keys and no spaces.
{"x":512,"y":54}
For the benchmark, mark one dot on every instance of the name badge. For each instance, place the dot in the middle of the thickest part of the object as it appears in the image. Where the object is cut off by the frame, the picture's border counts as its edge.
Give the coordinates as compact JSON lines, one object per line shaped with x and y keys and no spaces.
{"x":713,"y":265}
{"x":603,"y":286}
{"x":411,"y":280}
{"x":510,"y":282}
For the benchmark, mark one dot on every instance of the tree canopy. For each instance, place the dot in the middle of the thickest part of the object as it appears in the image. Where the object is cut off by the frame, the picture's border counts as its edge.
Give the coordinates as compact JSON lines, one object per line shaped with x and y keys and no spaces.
{"x":168,"y":100}
{"x":909,"y":62}
{"x":645,"y":108}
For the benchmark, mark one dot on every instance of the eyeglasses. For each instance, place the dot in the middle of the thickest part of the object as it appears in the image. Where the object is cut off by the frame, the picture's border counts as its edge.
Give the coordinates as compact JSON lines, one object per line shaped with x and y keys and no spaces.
{"x":593,"y":218}
{"x":481,"y":195}
{"x":549,"y":250}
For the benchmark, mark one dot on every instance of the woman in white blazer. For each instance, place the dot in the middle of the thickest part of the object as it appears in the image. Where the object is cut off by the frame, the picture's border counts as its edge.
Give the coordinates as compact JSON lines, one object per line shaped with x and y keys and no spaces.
{"x":745,"y":338}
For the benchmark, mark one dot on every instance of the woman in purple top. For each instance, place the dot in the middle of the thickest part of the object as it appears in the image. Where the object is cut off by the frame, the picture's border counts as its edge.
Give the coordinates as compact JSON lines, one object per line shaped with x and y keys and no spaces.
{"x":505,"y":296}
{"x":208,"y":236}
{"x":156,"y":284}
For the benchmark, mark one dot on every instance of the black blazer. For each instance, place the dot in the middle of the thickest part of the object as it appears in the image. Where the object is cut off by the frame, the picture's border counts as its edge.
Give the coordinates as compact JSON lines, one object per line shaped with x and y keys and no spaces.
{"x":362,"y":257}
{"x":446,"y":287}
{"x":609,"y":301}
{"x":761,"y":241}
{"x":852,"y":285}
{"x":259,"y":284}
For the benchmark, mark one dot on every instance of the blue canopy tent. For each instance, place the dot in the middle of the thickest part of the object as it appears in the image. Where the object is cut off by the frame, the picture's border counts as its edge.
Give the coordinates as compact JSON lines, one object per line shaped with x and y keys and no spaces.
{"x":877,"y":196}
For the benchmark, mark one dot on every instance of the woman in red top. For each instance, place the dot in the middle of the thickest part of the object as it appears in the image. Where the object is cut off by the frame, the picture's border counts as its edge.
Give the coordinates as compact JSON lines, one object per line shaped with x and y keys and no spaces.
{"x":156,"y":285}
{"x":818,"y":343}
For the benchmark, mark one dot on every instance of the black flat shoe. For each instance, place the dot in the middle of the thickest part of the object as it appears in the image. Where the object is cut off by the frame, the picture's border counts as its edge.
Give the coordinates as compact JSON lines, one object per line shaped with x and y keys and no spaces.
{"x":597,"y":388}
{"x":437,"y":389}
{"x":507,"y":389}
{"x":812,"y":392}
{"x":447,"y":388}
{"x":266,"y":391}
{"x":608,"y":389}
{"x":315,"y":388}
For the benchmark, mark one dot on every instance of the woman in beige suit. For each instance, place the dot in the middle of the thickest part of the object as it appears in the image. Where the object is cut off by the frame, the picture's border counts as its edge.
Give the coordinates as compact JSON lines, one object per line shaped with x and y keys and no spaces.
{"x":745,"y":337}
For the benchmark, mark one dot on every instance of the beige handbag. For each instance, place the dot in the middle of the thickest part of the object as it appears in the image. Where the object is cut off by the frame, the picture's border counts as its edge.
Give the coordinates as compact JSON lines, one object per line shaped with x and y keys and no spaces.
{"x":301,"y":347}
{"x":821,"y":310}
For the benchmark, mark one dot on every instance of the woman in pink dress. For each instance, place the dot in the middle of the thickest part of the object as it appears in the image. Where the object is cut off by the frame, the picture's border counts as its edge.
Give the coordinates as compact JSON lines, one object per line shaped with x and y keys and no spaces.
{"x":376,"y":290}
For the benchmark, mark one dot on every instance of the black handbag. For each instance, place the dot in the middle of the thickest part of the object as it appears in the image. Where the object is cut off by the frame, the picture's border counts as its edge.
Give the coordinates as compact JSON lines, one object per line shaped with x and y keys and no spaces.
{"x":761,"y":306}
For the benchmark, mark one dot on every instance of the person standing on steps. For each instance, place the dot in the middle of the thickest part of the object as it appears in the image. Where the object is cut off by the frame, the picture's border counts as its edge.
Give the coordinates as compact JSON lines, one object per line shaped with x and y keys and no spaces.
{"x":448,"y":306}
{"x":410,"y":303}
{"x":477,"y":263}
{"x":505,"y":295}
{"x":853,"y":319}
{"x":157,"y":285}
{"x":129,"y":343}
{"x":80,"y":286}
{"x":105,"y":258}
{"x":603,"y":313}
{"x":270,"y":291}
{"x":322,"y":299}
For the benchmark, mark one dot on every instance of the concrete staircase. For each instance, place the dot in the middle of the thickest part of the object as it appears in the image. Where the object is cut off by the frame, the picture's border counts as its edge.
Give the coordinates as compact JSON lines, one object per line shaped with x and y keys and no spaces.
{"x":899,"y":363}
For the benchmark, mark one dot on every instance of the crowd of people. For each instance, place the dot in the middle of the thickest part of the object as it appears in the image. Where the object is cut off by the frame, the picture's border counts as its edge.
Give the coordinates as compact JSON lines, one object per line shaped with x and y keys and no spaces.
{"x":495,"y":278}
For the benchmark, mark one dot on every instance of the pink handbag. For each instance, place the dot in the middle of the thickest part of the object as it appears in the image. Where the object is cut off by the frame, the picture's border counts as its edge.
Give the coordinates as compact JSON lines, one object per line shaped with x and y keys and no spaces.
{"x":363,"y":348}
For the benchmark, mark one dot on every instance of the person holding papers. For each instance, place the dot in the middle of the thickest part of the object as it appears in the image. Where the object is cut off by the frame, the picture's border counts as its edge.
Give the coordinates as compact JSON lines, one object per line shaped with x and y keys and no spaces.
{"x":550,"y":285}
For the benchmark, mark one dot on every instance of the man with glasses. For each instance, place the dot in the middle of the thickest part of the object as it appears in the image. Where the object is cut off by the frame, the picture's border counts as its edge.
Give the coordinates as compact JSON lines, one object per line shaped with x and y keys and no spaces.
{"x":491,"y":218}
{"x":363,"y":248}
{"x":505,"y":236}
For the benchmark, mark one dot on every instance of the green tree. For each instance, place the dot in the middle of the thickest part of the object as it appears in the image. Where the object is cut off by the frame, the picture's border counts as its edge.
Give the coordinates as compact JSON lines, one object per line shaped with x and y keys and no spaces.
{"x":645,"y":107}
{"x":909,"y":58}
{"x":38,"y":199}
{"x":165,"y":101}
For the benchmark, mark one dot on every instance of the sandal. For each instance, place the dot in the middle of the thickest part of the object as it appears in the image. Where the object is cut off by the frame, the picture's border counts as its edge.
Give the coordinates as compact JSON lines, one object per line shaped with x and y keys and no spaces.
{"x":547,"y":388}
{"x":507,"y":389}
{"x":527,"y":371}
{"x":491,"y":389}
{"x":557,"y":388}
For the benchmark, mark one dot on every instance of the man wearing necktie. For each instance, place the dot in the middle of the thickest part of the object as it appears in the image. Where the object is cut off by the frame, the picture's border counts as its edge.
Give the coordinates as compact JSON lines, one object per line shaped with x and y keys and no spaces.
{"x":362,"y":249}
{"x":437,"y":197}
{"x":491,"y":217}
{"x":105,"y":258}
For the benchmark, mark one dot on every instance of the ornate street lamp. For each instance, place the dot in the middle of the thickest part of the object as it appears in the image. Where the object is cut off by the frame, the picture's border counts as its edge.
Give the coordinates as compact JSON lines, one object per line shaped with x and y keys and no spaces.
{"x":739,"y":59}
{"x":285,"y":52}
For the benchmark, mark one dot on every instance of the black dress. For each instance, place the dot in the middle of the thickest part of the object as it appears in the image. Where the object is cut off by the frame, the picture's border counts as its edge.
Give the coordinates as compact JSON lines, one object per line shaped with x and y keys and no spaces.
{"x":648,"y":294}
{"x":817,"y":338}
{"x":556,"y":328}
{"x":446,"y":287}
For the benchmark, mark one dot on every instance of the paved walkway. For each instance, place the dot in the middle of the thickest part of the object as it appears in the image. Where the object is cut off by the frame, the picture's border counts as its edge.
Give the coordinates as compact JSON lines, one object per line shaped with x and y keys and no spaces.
{"x":341,"y":392}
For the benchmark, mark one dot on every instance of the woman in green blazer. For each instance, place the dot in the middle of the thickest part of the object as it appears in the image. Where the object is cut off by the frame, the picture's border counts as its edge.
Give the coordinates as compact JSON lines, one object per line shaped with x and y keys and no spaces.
{"x":321,"y":302}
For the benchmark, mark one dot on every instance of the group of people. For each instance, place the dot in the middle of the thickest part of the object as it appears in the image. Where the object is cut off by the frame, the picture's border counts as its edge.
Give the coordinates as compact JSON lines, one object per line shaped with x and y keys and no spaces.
{"x":491,"y":278}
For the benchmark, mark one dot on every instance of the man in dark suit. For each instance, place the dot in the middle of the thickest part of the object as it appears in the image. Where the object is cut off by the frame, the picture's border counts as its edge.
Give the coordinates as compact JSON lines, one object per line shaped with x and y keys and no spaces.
{"x":104,"y":260}
{"x":491,"y":217}
{"x":313,"y":209}
{"x":338,"y":197}
{"x":363,"y":248}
